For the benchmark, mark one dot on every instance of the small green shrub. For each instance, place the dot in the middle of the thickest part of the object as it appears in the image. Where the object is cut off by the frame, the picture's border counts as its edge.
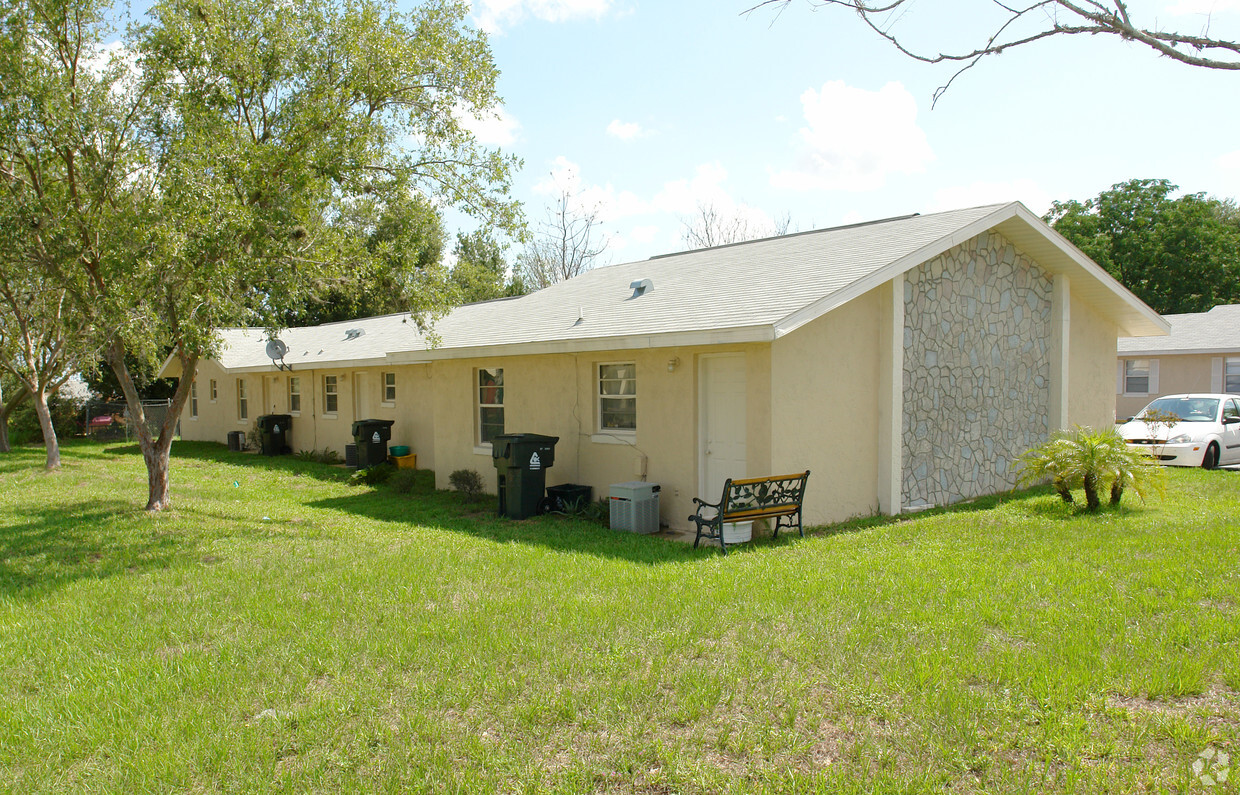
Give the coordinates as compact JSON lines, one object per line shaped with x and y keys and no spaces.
{"x":598,"y":511}
{"x":467,"y":481}
{"x":324,"y":456}
{"x":375,"y":475}
{"x":403,"y":481}
{"x":1092,"y":460}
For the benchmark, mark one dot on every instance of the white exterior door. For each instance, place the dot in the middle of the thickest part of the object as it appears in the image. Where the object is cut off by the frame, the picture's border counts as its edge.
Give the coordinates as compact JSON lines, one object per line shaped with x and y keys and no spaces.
{"x":362,"y":407}
{"x":721,"y":422}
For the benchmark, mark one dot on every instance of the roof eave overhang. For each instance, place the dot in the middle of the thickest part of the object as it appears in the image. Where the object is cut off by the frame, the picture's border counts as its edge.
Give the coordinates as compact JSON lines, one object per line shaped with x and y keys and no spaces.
{"x":1036,"y":239}
{"x":729,"y":336}
{"x":1177,"y":351}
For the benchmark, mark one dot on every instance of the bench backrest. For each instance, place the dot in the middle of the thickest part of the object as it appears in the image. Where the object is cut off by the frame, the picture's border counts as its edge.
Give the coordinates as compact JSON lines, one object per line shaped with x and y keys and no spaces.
{"x":754,"y":495}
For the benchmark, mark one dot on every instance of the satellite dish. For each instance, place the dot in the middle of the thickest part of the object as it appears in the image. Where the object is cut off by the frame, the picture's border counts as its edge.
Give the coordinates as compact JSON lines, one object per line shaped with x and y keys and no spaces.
{"x":276,"y":350}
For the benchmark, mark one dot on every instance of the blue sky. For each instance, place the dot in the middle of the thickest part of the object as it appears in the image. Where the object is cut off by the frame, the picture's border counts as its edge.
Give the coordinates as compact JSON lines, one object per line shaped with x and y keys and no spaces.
{"x":648,"y":109}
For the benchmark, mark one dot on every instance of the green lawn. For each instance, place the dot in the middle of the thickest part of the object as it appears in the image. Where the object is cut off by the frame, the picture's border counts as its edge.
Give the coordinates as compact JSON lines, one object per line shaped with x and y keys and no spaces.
{"x":283,"y":630}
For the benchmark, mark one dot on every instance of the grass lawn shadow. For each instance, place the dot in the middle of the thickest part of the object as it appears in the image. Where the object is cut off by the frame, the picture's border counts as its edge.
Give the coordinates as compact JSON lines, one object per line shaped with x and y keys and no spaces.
{"x":219,"y":453}
{"x":82,"y":540}
{"x":445,"y":510}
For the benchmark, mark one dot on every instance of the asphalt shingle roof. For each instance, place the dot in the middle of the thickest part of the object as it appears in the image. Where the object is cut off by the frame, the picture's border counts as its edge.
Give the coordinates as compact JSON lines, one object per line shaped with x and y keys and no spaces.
{"x":1216,"y":330}
{"x":749,"y":291}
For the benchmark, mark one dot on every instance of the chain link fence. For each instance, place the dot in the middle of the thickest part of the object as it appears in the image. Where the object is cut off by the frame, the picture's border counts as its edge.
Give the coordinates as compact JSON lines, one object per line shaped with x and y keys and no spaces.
{"x":112,"y":421}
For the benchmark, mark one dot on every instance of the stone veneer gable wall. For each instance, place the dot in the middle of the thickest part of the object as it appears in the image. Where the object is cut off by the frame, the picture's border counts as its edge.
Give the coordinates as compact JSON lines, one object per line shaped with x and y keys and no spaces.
{"x":977,"y":336}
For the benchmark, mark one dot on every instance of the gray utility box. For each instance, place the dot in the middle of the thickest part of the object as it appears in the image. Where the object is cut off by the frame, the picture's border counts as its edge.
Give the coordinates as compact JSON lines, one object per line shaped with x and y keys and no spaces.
{"x":635,"y":506}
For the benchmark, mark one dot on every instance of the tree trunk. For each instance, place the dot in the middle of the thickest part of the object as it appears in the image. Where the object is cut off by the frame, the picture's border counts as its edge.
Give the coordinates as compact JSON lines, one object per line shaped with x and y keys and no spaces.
{"x":1091,"y":492}
{"x":44,"y":414}
{"x":1117,"y":491}
{"x":7,"y":409}
{"x":1065,"y":494}
{"x":156,"y":451}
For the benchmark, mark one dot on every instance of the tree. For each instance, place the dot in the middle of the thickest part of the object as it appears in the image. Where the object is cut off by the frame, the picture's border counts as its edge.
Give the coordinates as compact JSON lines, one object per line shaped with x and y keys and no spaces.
{"x":42,"y":343}
{"x":1177,"y":255}
{"x":16,"y":397}
{"x":712,"y":226}
{"x":1018,"y":25}
{"x":567,"y":244}
{"x":401,"y":268}
{"x":208,"y":180}
{"x":480,"y":272}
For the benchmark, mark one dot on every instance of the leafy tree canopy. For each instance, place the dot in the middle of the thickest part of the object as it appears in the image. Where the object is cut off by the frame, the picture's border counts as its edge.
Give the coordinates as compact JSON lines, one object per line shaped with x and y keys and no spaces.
{"x":480,"y":272}
{"x":1176,"y":254}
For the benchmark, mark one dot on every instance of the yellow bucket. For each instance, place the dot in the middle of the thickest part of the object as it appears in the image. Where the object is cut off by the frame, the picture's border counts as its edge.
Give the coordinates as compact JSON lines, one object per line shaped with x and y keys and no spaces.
{"x":406,"y":461}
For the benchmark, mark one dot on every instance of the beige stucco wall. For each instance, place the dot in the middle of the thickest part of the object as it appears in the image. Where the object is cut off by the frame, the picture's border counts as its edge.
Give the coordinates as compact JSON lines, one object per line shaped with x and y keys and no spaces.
{"x":825,"y":408}
{"x":1091,"y":366}
{"x":413,"y":410}
{"x":1177,"y":373}
{"x":555,"y":394}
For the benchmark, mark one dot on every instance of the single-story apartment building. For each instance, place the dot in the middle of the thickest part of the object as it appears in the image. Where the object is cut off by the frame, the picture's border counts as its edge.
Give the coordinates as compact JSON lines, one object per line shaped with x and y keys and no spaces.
{"x":905,"y":362}
{"x":1201,"y":354}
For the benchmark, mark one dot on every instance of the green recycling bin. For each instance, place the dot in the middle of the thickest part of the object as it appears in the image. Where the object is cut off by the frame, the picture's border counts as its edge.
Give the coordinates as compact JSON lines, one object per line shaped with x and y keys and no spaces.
{"x":372,"y":437}
{"x":521,"y":462}
{"x":273,"y":430}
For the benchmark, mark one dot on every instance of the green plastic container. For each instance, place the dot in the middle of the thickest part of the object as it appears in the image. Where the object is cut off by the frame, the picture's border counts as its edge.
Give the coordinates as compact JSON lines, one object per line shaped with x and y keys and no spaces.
{"x":399,"y":449}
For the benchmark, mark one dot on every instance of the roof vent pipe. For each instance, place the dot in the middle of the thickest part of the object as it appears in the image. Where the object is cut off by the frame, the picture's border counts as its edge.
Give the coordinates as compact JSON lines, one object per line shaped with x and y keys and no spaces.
{"x":354,"y":333}
{"x":641,"y":287}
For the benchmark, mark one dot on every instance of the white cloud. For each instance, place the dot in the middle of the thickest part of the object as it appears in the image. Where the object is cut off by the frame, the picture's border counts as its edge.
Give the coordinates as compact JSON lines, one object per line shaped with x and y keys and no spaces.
{"x":626,"y":130}
{"x":855,"y":139}
{"x":1203,"y":6}
{"x":496,"y":127}
{"x":495,"y":15}
{"x":1229,"y":161}
{"x":682,"y":196}
{"x":978,"y":193}
{"x":611,"y":204}
{"x":643,"y":234}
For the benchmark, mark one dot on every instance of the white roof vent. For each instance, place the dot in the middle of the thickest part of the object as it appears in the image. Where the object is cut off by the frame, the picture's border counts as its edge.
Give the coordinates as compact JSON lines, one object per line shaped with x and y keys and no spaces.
{"x":641,"y":287}
{"x":354,"y":333}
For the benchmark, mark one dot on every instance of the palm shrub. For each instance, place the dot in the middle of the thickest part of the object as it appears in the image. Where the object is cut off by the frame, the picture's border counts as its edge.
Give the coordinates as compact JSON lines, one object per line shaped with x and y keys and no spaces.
{"x":1093,"y":460}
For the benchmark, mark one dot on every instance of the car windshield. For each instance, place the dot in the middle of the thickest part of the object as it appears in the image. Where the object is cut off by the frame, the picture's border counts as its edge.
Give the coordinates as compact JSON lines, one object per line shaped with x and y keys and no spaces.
{"x":1186,"y":408}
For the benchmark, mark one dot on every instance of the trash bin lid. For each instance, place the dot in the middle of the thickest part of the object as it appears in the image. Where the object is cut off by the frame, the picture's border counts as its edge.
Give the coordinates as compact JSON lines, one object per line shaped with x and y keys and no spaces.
{"x":366,"y":425}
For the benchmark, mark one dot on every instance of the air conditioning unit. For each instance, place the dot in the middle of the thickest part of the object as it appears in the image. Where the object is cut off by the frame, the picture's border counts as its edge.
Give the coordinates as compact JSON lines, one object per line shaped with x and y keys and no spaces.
{"x":635,"y":506}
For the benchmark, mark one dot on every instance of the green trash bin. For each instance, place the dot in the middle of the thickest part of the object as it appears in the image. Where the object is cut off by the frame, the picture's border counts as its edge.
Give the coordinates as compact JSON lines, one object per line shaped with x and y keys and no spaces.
{"x":274,"y":431}
{"x":372,"y":437}
{"x":521,"y":462}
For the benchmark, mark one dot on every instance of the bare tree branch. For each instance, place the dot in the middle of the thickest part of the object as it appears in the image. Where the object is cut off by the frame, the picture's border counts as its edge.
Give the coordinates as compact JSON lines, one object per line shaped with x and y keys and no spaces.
{"x":1093,"y":17}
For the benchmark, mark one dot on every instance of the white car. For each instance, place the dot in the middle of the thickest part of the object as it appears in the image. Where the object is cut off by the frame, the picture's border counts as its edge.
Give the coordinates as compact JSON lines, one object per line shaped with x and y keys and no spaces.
{"x":1206,"y":435}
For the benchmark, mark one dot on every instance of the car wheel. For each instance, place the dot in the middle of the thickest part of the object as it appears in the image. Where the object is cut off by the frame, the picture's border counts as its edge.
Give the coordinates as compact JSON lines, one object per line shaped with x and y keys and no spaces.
{"x":1210,"y":459}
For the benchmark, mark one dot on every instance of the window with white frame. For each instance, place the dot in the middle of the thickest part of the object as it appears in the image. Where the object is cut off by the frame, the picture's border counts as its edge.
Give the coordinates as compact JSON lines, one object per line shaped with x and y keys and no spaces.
{"x":617,"y":397}
{"x":215,"y":393}
{"x":193,"y":400}
{"x":389,"y":387}
{"x":331,"y":397}
{"x":1136,"y":376}
{"x":490,"y":403}
{"x":1231,"y":375}
{"x":243,"y":401}
{"x":294,"y":394}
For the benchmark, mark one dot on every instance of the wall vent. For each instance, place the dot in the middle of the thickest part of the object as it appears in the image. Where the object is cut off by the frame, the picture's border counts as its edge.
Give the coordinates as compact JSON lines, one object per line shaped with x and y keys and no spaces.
{"x":354,"y":333}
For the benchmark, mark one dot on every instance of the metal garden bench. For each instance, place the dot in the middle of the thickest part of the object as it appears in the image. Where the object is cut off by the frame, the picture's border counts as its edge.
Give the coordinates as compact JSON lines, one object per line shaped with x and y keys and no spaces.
{"x":778,"y":497}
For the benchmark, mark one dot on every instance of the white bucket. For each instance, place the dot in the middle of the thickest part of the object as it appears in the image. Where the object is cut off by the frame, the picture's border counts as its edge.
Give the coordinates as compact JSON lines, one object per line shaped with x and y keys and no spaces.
{"x":737,"y":533}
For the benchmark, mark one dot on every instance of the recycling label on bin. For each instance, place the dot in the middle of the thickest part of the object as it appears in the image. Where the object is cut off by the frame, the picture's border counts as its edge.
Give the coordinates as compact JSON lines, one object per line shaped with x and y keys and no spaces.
{"x":275,"y":428}
{"x":534,"y":462}
{"x":375,"y":438}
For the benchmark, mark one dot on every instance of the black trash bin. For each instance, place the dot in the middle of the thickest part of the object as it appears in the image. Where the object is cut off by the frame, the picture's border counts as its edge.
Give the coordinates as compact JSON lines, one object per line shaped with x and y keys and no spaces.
{"x":372,"y":437}
{"x":567,"y":498}
{"x":274,"y":430}
{"x":521,"y":461}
